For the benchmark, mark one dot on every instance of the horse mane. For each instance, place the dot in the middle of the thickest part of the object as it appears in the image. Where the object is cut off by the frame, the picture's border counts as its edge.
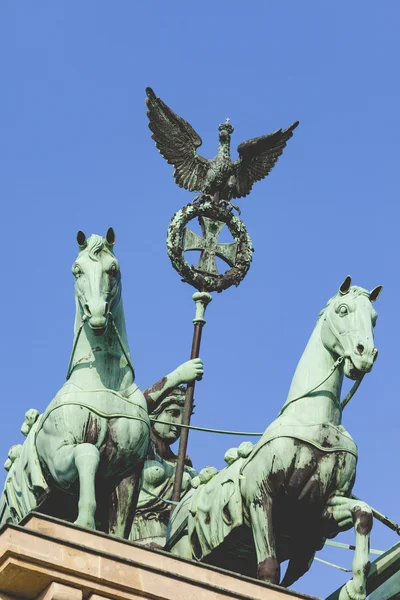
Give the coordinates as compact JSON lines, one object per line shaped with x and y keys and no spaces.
{"x":95,"y":245}
{"x":357,"y":291}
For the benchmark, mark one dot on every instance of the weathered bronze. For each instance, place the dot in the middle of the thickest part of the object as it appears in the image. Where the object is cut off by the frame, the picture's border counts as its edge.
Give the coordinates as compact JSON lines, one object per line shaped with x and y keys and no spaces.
{"x":202,"y":300}
{"x":219,"y":178}
{"x":155,"y":499}
{"x":205,"y":276}
{"x":94,"y":435}
{"x":282,"y":498}
{"x":100,"y":455}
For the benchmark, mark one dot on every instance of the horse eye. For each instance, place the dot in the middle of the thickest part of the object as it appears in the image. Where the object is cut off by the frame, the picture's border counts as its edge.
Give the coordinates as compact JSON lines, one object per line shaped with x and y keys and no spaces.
{"x":76,"y":271}
{"x":343,"y":310}
{"x":113,"y":268}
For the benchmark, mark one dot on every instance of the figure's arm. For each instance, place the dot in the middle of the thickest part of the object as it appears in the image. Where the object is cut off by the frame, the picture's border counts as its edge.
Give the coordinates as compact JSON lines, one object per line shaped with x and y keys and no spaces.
{"x":185,"y":373}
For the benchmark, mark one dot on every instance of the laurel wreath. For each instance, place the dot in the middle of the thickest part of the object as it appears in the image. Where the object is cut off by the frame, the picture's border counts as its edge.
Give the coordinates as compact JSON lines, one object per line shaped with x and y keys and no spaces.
{"x":202,"y":281}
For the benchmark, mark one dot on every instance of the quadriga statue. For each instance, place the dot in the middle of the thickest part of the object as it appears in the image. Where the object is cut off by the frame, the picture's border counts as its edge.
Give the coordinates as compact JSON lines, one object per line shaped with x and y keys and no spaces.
{"x":153,"y":509}
{"x":83,"y":457}
{"x":281,"y":500}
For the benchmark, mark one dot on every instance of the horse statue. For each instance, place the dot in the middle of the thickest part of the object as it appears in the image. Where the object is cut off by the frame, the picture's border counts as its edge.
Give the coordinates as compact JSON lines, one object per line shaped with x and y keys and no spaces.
{"x":281,"y":499}
{"x":83,"y":457}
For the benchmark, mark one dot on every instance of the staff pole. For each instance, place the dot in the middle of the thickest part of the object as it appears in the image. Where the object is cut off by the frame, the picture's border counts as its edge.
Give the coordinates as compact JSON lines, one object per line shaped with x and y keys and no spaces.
{"x":202,"y":299}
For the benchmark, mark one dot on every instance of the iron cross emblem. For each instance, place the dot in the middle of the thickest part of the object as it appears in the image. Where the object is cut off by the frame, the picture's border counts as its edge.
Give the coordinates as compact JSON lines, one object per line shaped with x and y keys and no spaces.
{"x":209,"y":247}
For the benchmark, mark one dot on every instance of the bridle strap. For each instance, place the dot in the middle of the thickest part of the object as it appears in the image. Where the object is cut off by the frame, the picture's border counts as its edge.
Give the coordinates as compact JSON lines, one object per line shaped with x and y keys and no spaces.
{"x":347,"y":398}
{"x":333,"y":368}
{"x":351,"y":393}
{"x":78,"y":333}
{"x":357,"y":384}
{"x":124,"y":351}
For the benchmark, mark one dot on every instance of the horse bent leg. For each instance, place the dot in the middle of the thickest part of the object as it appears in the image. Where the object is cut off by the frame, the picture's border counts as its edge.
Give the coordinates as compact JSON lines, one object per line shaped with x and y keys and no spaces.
{"x":71,"y":462}
{"x":342,"y":510}
{"x":179,"y":523}
{"x":268,"y":567}
{"x":299,"y":563}
{"x":182,"y":548}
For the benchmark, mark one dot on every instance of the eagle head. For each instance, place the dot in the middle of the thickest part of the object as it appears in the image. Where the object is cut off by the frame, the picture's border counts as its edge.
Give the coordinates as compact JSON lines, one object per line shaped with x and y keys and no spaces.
{"x":225,"y":130}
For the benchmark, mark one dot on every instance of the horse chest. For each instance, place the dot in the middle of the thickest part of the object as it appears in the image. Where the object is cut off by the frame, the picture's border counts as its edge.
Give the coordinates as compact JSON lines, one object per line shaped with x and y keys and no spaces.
{"x":312,"y":476}
{"x":120,"y":441}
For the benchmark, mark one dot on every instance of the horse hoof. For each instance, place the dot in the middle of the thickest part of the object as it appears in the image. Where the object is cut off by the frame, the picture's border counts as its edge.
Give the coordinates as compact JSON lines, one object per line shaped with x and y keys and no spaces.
{"x":348,"y":592}
{"x":87,"y":523}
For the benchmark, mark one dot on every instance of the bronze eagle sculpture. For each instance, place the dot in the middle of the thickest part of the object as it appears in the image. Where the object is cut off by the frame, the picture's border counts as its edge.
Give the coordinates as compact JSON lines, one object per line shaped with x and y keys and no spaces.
{"x":220,"y":178}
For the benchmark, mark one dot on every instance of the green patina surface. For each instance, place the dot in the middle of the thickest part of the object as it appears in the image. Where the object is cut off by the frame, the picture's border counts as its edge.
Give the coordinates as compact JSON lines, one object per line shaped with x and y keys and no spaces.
{"x":282,"y":498}
{"x":205,"y":276}
{"x":154,"y":504}
{"x":95,"y":433}
{"x":95,"y":457}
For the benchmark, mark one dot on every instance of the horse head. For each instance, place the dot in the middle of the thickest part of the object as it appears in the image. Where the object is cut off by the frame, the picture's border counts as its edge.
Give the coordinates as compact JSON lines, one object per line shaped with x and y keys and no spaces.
{"x":348,"y":328}
{"x":97,"y":279}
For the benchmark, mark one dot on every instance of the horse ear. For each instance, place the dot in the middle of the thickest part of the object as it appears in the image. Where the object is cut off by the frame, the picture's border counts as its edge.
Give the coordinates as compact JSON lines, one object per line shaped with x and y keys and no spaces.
{"x":81,"y":239}
{"x":346,"y":285}
{"x":374,"y":295}
{"x":110,"y":237}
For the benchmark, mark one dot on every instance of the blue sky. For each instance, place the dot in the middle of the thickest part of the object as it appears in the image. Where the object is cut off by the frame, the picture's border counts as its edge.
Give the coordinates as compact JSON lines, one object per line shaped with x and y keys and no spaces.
{"x":76,"y":153}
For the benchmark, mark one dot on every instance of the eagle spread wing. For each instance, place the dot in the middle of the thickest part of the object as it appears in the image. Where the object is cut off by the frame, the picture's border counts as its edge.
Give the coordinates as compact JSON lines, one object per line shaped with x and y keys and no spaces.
{"x":177,"y":142}
{"x":257,"y":157}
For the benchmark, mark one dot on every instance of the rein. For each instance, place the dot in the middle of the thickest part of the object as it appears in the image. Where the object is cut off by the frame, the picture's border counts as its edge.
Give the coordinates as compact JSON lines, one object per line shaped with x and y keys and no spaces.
{"x":343,"y":404}
{"x":181,"y":529}
{"x":124,"y":351}
{"x":333,"y":368}
{"x":70,"y":367}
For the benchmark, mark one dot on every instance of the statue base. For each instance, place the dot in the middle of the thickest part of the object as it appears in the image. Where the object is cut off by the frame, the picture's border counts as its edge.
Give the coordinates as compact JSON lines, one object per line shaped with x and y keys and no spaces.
{"x":49,"y":559}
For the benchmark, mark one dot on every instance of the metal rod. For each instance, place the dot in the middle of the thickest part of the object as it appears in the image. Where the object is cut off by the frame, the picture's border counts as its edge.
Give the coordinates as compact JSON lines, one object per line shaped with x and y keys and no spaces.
{"x":208,"y":430}
{"x":325,"y":562}
{"x":202,"y":299}
{"x":350,"y":547}
{"x":382,"y":518}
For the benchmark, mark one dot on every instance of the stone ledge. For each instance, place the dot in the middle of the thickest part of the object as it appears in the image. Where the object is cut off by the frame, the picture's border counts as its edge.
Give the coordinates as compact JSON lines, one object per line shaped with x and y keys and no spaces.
{"x":45,"y":557}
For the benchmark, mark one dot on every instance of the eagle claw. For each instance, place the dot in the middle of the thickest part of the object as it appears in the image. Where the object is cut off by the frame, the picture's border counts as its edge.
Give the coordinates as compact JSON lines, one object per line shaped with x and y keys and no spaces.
{"x":201,"y":198}
{"x":230,"y":206}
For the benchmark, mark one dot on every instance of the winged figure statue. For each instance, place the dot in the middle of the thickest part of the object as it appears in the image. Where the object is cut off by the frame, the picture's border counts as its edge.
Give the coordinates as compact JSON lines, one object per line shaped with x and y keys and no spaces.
{"x":220,"y":178}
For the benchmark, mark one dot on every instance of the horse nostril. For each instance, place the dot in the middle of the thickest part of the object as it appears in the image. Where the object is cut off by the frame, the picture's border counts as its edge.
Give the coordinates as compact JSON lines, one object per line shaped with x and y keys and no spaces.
{"x":86,"y":310}
{"x":360,"y":349}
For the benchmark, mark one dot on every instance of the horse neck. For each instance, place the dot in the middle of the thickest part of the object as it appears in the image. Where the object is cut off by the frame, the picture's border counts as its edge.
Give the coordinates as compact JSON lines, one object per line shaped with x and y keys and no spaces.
{"x":99,"y":361}
{"x":323,"y":404}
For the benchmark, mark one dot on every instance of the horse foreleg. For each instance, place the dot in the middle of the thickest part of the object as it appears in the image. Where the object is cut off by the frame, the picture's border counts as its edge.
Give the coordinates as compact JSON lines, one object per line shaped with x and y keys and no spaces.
{"x":343,"y":511}
{"x":71,"y":462}
{"x":268,"y":567}
{"x":123,"y":503}
{"x":86,"y":458}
